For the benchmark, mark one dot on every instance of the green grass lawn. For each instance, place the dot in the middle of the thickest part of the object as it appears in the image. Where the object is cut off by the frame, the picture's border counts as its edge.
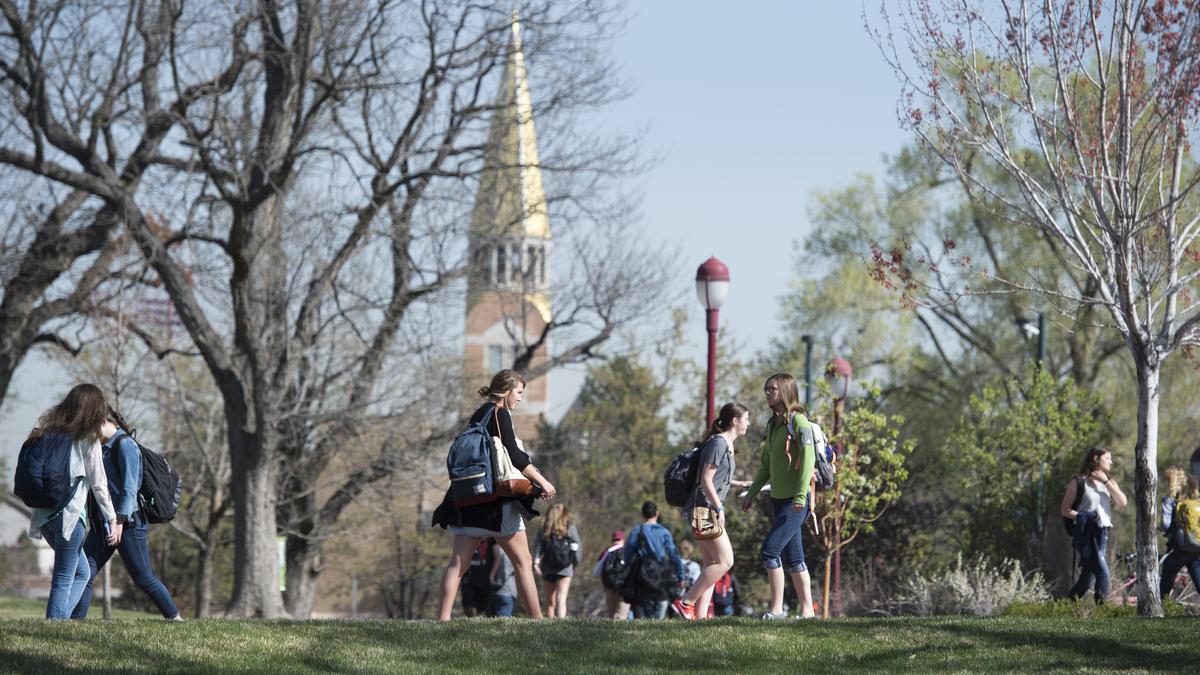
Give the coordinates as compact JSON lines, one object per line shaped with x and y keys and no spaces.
{"x":580,"y":646}
{"x":28,"y":608}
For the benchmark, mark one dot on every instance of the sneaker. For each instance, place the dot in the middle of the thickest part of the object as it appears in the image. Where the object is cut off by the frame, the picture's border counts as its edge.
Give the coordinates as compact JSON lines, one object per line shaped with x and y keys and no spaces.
{"x":683,"y":610}
{"x":771,"y":616}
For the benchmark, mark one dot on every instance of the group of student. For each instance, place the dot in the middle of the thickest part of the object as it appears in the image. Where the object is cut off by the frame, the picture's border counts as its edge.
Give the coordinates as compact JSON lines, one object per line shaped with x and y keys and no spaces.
{"x":1087,"y":505}
{"x":101,"y":514}
{"x":787,"y":459}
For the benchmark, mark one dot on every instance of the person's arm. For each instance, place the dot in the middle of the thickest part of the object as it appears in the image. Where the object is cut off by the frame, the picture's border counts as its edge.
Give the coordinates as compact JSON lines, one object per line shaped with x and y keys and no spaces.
{"x":803,"y":437}
{"x":496,"y":565}
{"x":520,"y":460}
{"x":93,"y":467}
{"x":1069,"y":500}
{"x":673,"y":554}
{"x":1114,"y":491}
{"x":631,"y":541}
{"x":1166,"y":509}
{"x":131,"y":477}
{"x":760,"y":477}
{"x":578,"y":541}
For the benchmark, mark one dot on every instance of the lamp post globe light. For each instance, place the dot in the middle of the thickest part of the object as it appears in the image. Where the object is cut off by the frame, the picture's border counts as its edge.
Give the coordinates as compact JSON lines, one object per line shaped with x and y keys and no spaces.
{"x":712,"y":287}
{"x":838,"y":375}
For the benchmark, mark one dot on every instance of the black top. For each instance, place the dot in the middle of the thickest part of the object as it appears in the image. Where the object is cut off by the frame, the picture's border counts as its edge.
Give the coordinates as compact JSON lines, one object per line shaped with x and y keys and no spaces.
{"x":489,"y":516}
{"x":501,"y":425}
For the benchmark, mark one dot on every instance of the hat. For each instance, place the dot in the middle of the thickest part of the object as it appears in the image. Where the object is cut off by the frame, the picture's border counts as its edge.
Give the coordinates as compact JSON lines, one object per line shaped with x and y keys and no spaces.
{"x":619,"y":535}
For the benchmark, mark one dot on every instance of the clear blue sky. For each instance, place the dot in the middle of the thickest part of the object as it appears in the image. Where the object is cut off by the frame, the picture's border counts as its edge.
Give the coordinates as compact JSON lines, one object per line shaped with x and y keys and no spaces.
{"x":751,"y":107}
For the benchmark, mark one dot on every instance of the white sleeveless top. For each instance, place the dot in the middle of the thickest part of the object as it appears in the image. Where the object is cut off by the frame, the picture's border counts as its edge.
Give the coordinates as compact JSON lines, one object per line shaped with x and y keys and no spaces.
{"x":1096,"y":498}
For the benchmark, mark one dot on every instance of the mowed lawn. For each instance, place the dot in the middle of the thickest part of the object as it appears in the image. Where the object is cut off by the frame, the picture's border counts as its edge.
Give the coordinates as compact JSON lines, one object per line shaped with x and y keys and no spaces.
{"x":583,"y":646}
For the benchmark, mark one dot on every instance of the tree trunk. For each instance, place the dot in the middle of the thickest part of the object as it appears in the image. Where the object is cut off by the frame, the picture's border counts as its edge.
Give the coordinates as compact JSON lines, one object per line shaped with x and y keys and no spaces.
{"x":204,"y":580}
{"x":303,"y":571}
{"x":1145,"y":490}
{"x":256,"y":564}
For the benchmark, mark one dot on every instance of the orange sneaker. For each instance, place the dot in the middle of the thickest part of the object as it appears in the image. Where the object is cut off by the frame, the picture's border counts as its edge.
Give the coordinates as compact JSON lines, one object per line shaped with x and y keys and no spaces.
{"x":684,"y":610}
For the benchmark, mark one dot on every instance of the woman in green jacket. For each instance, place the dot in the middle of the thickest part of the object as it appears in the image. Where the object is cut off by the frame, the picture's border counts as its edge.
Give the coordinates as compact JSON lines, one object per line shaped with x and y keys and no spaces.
{"x":787,"y":459}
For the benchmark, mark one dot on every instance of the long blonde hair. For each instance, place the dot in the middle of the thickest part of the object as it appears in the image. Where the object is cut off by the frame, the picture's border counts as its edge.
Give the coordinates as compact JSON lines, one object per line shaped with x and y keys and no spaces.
{"x":789,"y":394}
{"x":557,"y":523}
{"x":1179,"y":486}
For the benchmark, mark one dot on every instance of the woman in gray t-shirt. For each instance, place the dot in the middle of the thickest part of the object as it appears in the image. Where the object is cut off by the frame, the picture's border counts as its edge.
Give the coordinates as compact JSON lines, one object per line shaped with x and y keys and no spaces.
{"x":712,"y":485}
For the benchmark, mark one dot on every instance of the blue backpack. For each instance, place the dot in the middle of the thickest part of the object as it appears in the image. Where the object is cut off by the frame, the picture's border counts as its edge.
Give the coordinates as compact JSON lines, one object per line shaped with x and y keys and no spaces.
{"x":469,"y":464}
{"x":43,"y":478}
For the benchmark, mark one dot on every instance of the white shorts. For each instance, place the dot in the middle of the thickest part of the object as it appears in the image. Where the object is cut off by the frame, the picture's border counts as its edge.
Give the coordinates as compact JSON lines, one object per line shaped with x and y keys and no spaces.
{"x":511,"y":522}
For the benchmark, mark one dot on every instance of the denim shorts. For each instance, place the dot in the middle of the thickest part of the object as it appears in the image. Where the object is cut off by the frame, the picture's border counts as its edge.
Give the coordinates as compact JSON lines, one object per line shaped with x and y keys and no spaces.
{"x":511,"y":523}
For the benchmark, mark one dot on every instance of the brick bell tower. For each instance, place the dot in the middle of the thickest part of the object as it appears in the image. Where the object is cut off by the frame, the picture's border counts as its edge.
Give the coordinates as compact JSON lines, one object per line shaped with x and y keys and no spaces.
{"x":508,"y":290}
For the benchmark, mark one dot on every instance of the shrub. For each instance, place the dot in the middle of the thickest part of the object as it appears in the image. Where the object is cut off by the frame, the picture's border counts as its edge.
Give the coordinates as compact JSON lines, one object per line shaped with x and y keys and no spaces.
{"x":976,"y":588}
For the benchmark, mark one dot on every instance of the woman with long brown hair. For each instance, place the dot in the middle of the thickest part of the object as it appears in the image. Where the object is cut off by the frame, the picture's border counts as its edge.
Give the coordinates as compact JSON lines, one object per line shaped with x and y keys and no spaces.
{"x":1097,"y":492}
{"x":73,"y":426}
{"x":123,"y":465}
{"x":717,"y":467}
{"x":503,"y":518}
{"x":788,"y":455}
{"x":556,"y":552}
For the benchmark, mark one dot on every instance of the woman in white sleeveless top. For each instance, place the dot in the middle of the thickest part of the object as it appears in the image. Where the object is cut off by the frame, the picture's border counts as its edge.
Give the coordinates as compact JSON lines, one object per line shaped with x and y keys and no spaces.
{"x":1093,"y":519}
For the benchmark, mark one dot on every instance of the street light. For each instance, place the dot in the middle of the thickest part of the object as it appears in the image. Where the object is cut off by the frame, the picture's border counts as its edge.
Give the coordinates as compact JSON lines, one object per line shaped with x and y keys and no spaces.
{"x":838,"y":375}
{"x":808,"y":344}
{"x":712,"y":287}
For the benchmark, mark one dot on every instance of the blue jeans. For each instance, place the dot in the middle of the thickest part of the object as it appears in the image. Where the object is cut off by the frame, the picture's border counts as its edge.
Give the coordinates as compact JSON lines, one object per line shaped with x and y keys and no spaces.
{"x":722,"y":610}
{"x":784,"y":544}
{"x":650,"y":609}
{"x":70,"y":575}
{"x":135,"y":553}
{"x":1175,"y":561}
{"x":501,"y":605}
{"x":1094,"y":568}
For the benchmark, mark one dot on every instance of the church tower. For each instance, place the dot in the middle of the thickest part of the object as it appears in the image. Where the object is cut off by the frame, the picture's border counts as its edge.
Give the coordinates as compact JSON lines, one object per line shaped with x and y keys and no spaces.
{"x":508,"y":290}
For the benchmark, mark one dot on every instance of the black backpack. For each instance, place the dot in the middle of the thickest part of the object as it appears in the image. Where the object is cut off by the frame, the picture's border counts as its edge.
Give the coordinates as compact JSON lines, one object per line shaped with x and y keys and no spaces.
{"x":614,"y":570}
{"x":43,"y":477}
{"x":557,"y":553}
{"x":680,"y":477}
{"x":161,"y":488}
{"x":648,"y":578}
{"x":1069,"y":523}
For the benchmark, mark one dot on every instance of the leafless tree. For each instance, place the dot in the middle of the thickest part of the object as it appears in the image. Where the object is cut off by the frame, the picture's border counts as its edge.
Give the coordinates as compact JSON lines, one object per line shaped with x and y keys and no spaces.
{"x":1089,"y":109}
{"x":307,"y":170}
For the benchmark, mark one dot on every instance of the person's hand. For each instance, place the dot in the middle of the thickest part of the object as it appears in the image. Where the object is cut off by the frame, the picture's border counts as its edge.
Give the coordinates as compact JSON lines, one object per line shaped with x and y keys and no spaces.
{"x":114,"y":532}
{"x":548,"y":491}
{"x":746,"y":505}
{"x":797,"y":506}
{"x":721,"y":518}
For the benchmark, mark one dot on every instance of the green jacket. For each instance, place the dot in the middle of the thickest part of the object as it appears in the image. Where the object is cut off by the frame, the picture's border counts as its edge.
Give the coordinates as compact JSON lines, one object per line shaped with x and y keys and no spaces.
{"x":788,"y":467}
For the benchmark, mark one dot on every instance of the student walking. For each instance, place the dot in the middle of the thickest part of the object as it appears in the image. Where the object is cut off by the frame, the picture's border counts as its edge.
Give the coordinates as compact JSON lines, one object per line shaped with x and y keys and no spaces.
{"x":123,"y":466}
{"x":717,"y":467}
{"x":612,"y":573}
{"x":476,"y":584}
{"x":503,"y":518}
{"x":787,"y":458}
{"x":1097,"y":492}
{"x":650,"y":583}
{"x":556,"y":552}
{"x":73,"y":427}
{"x":1181,"y":550}
{"x":503,"y":584}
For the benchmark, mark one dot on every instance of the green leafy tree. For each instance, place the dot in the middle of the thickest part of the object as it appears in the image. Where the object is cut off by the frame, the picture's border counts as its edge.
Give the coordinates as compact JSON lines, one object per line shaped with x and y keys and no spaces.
{"x":1012,"y":453}
{"x":870,"y":476}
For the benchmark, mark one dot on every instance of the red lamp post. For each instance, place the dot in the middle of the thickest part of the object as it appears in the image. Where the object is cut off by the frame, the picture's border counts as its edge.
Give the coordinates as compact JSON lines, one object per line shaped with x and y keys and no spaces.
{"x":838,"y":375}
{"x":712,"y":287}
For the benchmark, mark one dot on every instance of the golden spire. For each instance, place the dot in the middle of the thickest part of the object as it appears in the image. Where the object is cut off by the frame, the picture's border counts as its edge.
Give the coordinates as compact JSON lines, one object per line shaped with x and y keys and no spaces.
{"x":510,"y":208}
{"x":511,"y":198}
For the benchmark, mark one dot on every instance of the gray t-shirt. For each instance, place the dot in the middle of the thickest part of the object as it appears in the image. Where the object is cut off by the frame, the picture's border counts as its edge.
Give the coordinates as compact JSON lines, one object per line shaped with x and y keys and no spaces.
{"x":715,"y":451}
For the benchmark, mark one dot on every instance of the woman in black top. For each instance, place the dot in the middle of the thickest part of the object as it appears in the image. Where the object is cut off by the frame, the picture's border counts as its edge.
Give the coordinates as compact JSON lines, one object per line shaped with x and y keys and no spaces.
{"x":504,"y":518}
